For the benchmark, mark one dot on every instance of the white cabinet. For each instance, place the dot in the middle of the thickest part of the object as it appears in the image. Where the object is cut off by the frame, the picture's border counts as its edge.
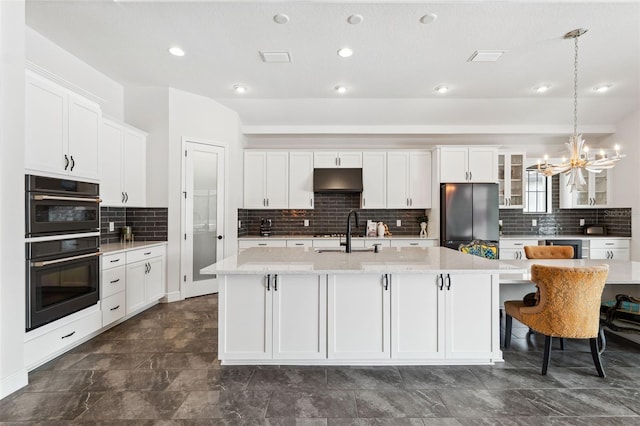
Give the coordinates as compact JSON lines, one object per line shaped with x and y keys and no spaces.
{"x":510,"y":180}
{"x":300,"y":243}
{"x":468,"y":164}
{"x":417,"y":242}
{"x":272,"y":317}
{"x":261,"y":242}
{"x":374,"y":180}
{"x":361,"y":333}
{"x":612,"y":249}
{"x":300,"y":180}
{"x":266,"y":180}
{"x":514,"y":249}
{"x":145,"y":277}
{"x":596,"y":192}
{"x":61,"y":130}
{"x":325,"y":159}
{"x":113,"y":288}
{"x":122,"y":165}
{"x":409,"y":179}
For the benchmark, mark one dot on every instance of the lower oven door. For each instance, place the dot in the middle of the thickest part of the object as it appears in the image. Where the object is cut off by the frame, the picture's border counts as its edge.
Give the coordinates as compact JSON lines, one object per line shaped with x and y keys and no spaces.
{"x":57,"y":288}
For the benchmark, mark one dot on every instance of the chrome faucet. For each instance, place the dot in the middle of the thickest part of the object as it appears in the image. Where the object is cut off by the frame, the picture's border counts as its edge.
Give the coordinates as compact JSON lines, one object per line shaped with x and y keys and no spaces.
{"x":348,"y":236}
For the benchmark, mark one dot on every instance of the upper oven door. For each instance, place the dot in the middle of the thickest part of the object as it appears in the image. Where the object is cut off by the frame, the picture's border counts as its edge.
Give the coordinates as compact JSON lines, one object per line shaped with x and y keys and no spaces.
{"x":58,"y":214}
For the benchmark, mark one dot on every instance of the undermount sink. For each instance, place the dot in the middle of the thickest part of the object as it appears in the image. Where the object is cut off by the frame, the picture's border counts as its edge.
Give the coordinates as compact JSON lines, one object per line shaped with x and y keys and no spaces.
{"x":342,"y":250}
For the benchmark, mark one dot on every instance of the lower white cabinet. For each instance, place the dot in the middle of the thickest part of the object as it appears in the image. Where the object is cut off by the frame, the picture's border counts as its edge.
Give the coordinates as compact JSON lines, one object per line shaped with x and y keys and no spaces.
{"x":418,"y":242}
{"x":145,"y":277}
{"x":514,"y":249}
{"x":611,"y":249}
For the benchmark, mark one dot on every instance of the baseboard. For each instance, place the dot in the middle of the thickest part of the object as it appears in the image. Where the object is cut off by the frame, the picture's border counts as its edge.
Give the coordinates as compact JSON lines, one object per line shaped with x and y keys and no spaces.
{"x":172,"y":297}
{"x":17,"y":380}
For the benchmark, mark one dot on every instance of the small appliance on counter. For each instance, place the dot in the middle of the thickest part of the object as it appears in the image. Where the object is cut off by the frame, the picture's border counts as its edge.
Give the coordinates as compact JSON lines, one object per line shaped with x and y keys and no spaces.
{"x":595,"y":230}
{"x":126,"y":234}
{"x":265,"y":227}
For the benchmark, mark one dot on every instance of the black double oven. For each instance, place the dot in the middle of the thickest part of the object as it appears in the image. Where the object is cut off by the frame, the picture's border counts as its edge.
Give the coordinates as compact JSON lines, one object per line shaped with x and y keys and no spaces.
{"x":62,"y":248}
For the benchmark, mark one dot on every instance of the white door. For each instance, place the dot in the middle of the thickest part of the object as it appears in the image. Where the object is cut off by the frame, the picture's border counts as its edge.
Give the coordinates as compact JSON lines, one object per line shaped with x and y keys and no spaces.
{"x":483,"y":165}
{"x":374,"y":180}
{"x":111,"y":140}
{"x":420,"y":180}
{"x":136,"y":277}
{"x":154,"y":284}
{"x":300,"y":180}
{"x":135,"y":165}
{"x":453,"y":165}
{"x":277,"y":177}
{"x":203,"y":216}
{"x":255,"y":174}
{"x":84,"y":130}
{"x":398,"y":180}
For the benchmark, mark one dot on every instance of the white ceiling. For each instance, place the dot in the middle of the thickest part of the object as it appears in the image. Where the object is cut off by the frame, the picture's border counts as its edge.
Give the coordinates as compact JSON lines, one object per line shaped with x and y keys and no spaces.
{"x":391,"y":76}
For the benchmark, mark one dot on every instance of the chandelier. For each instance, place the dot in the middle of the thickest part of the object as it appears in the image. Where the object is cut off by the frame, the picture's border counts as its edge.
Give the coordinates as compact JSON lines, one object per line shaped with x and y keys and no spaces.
{"x":579,"y":160}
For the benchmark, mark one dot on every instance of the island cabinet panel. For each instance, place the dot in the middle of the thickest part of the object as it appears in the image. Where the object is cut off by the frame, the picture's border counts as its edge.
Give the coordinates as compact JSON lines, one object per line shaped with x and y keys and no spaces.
{"x":358,"y":316}
{"x":417,"y":317}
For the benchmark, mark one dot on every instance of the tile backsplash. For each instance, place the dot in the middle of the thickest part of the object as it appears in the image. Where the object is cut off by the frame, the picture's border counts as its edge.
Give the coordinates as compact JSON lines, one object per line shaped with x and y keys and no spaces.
{"x":149,"y":224}
{"x":328,"y":217}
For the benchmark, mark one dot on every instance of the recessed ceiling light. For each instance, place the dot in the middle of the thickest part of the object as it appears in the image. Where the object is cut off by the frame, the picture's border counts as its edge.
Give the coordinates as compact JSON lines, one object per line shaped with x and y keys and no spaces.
{"x":355,"y":19}
{"x":239,"y":89}
{"x":176,"y":51}
{"x":542,"y":88}
{"x":280,"y":18}
{"x":602,"y":88}
{"x":341,"y":89}
{"x":345,"y":52}
{"x":428,"y":18}
{"x":441,"y":89}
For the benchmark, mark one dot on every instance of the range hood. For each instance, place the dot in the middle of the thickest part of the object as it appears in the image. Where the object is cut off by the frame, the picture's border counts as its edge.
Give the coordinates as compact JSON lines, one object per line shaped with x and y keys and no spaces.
{"x":337,"y":180}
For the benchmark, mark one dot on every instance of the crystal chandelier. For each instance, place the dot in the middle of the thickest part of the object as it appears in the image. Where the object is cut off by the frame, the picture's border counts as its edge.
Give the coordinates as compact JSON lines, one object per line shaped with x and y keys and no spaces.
{"x":579,"y":159}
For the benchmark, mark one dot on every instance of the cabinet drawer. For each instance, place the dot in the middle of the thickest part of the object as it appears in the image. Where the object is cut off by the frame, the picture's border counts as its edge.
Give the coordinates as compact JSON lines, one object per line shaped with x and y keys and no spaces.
{"x":413,"y":243}
{"x":113,"y":308}
{"x":608,"y":244}
{"x":299,"y":243}
{"x":517,"y":244}
{"x":382,"y":242}
{"x":113,"y":260}
{"x":43,"y":347}
{"x":262,"y":243}
{"x":145,"y":253}
{"x":113,"y":281}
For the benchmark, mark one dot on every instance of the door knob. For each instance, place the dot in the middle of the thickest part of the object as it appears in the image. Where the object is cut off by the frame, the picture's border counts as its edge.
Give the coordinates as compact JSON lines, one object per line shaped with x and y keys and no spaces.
{"x":219,"y":237}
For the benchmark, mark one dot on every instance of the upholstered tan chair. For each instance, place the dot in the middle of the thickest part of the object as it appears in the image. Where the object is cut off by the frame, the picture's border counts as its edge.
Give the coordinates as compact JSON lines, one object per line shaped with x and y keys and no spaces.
{"x":569,"y":307}
{"x":548,"y":252}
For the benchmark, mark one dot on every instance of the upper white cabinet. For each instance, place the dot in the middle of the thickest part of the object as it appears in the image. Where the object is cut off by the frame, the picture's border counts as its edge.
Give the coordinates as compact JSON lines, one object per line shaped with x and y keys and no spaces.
{"x":510,"y":180}
{"x":596,"y":193}
{"x":409,"y":179}
{"x":266,"y":180}
{"x":122,"y":165}
{"x":468,"y":164}
{"x":61,"y":130}
{"x":300,"y":180}
{"x":323,"y":160}
{"x":374,"y":180}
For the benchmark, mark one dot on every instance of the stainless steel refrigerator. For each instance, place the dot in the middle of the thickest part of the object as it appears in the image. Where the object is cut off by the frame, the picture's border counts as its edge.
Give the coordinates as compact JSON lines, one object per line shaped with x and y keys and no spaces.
{"x":468,"y":211}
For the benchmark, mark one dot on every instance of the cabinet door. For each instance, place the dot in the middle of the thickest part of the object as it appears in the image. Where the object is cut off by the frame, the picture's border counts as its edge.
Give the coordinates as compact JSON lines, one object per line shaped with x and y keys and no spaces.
{"x":277,"y":178}
{"x":600,"y":188}
{"x":136,"y":275}
{"x":135,"y":166}
{"x":155,"y":281}
{"x":255,"y":169}
{"x":420,"y":180}
{"x":299,"y":317}
{"x":374,"y":180}
{"x":300,"y":180}
{"x":45,"y":126}
{"x":469,"y":303}
{"x":358,"y":317}
{"x":610,"y":254}
{"x":245,"y":315}
{"x":512,"y":254}
{"x":417,"y":315}
{"x":398,"y":180}
{"x":324,"y":160}
{"x":84,"y":129}
{"x":515,"y":180}
{"x":352,"y":160}
{"x":483,"y":166}
{"x":111,"y":140}
{"x":453,"y":165}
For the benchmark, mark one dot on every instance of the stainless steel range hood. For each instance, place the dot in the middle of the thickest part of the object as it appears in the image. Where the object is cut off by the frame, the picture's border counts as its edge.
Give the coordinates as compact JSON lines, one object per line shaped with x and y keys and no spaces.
{"x":337,"y":180}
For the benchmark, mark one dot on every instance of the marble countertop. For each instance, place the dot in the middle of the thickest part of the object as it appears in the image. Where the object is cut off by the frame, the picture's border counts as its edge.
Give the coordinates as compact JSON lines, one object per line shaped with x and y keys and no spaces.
{"x":112,"y":248}
{"x":311,"y":237}
{"x":388,"y":260}
{"x":561,"y":237}
{"x":620,"y":271}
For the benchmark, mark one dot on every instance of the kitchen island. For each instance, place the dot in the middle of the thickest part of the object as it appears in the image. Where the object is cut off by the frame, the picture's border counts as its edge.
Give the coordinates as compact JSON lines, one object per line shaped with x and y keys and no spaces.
{"x":399,"y":306}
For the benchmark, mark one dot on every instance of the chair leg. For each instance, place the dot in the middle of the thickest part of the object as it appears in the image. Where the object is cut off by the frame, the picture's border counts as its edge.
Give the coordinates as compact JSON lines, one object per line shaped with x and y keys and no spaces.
{"x":547,"y":355}
{"x":595,"y":354}
{"x":602,"y":341}
{"x":562,"y":343}
{"x":507,"y":330}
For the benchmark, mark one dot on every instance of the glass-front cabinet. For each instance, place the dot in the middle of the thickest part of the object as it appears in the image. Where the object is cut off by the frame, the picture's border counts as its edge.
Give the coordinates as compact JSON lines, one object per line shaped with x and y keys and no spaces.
{"x":595,"y":193}
{"x":510,"y":182}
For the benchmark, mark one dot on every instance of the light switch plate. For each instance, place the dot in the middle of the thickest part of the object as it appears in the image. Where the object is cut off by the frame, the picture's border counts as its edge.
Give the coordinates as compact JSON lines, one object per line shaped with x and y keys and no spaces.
{"x":534,"y":222}
{"x":306,"y":222}
{"x":398,"y":223}
{"x":239,"y":224}
{"x":111,"y":227}
{"x":581,"y":222}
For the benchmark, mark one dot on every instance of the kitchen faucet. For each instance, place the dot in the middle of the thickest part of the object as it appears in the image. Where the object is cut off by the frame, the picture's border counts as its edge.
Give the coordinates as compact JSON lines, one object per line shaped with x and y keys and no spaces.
{"x":348,"y":237}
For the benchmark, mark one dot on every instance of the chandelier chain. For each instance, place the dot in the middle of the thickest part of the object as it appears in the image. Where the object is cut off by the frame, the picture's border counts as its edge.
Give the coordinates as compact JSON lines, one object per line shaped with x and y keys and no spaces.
{"x":575,"y":87}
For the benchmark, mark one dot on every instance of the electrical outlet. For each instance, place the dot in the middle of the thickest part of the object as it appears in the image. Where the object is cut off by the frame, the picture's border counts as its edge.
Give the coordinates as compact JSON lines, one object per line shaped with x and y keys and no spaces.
{"x":500,"y":222}
{"x":398,"y":223}
{"x":306,"y":222}
{"x":111,"y":227}
{"x":534,"y":222}
{"x":581,"y":222}
{"x":239,"y":224}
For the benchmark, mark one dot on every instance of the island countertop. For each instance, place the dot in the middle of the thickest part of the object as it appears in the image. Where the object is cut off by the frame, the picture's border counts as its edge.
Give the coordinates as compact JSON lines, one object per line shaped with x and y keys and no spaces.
{"x":388,"y":260}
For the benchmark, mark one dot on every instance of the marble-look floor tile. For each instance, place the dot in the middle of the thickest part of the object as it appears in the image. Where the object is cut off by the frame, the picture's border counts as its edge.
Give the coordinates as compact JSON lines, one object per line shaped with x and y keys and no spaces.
{"x":575,"y":402}
{"x":400,"y":403}
{"x":435,"y":377}
{"x":110,"y":361}
{"x":226,"y":378}
{"x":180,"y":361}
{"x":63,"y":380}
{"x":628,"y":397}
{"x":281,"y":378}
{"x":135,"y":405}
{"x":134,"y":380}
{"x":301,"y":404}
{"x":288,"y":421}
{"x":375,"y":422}
{"x":587,"y":377}
{"x":233,"y":405}
{"x":363,"y":378}
{"x":486,"y":403}
{"x":520,"y":378}
{"x":62,"y":362}
{"x":47,"y":405}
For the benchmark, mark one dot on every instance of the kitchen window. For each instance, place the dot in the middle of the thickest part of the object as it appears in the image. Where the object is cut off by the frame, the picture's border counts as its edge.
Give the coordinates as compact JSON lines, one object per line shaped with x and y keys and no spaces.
{"x":537,"y":190}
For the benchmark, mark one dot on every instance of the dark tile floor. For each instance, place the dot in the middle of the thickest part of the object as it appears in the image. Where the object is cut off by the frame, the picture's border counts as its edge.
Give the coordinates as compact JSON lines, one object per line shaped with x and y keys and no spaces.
{"x":161,"y":368}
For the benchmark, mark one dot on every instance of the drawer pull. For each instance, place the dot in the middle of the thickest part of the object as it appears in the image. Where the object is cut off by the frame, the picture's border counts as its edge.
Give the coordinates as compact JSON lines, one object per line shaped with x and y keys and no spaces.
{"x":114,"y":260}
{"x":609,"y":244}
{"x":113,"y":309}
{"x":413,"y":244}
{"x":262,"y":244}
{"x":299,"y":244}
{"x":68,"y":335}
{"x":518,"y":244}
{"x":148,"y":253}
{"x":114,"y":281}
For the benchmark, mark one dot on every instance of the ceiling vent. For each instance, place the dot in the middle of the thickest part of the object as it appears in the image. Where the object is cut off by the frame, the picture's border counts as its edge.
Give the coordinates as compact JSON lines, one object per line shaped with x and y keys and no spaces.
{"x":275,"y":56}
{"x":486,"y":55}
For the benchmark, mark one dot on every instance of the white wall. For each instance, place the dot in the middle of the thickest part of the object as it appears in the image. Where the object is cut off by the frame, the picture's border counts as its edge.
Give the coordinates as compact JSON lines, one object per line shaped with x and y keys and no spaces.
{"x":13,"y":375}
